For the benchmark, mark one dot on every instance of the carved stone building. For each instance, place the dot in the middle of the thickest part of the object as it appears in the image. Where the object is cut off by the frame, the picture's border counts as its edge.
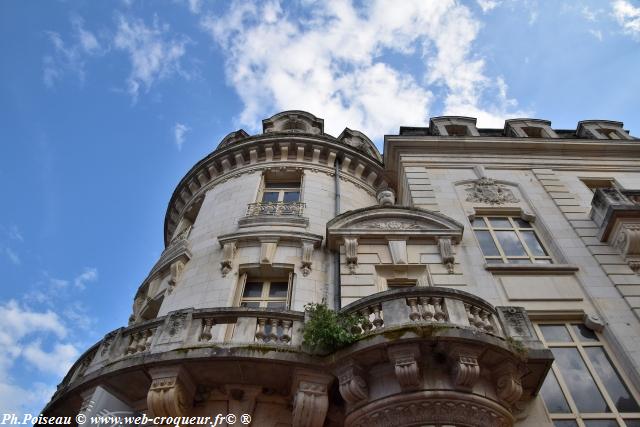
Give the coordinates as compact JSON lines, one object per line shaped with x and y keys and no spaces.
{"x":494,"y":271}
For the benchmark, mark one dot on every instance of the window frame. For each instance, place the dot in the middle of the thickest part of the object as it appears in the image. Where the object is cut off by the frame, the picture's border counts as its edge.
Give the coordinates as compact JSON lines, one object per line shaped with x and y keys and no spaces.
{"x":516,"y":229}
{"x":264,"y":298}
{"x":285,"y":187}
{"x":575,"y":415}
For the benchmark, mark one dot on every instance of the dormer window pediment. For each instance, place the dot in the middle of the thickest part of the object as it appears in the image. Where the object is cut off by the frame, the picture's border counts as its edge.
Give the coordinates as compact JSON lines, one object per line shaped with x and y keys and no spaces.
{"x":602,"y":129}
{"x":293,"y":121}
{"x":453,"y":126}
{"x":529,"y":128}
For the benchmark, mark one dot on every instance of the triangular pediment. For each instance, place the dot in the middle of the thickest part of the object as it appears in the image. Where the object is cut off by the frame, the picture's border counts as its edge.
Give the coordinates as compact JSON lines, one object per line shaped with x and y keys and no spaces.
{"x":393,"y":222}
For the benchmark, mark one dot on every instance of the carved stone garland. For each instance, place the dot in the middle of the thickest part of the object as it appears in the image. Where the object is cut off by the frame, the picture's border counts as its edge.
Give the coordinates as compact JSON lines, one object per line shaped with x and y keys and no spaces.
{"x":487,"y":190}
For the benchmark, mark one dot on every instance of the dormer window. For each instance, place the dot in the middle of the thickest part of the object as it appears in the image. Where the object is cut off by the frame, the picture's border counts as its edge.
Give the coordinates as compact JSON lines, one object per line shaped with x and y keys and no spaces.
{"x":456,"y":130}
{"x":533,"y":132}
{"x":609,"y":133}
{"x":529,"y":128}
{"x":601,"y":129}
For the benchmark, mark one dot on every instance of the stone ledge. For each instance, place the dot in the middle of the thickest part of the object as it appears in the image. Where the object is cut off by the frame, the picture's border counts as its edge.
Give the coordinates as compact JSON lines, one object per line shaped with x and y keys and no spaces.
{"x":531,"y":268}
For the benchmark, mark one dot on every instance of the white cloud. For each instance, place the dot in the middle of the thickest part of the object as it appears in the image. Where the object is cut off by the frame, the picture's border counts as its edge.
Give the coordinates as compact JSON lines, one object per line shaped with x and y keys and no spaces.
{"x":596,"y":33}
{"x":154,"y":56}
{"x":57,"y":362}
{"x":179,"y":132}
{"x":15,"y":399}
{"x":194,"y":5}
{"x":14,"y":233}
{"x":628,"y":17}
{"x":89,"y":274}
{"x":332,"y":62}
{"x":488,"y":5}
{"x":70,"y":57}
{"x":12,"y":256}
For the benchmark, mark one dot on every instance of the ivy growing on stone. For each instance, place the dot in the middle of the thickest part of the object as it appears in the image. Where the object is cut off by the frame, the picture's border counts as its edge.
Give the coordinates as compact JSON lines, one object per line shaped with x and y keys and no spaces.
{"x":326,"y":330}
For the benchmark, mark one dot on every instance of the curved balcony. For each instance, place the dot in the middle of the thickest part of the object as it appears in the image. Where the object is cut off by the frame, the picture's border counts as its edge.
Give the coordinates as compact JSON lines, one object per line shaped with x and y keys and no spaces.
{"x":427,"y":347}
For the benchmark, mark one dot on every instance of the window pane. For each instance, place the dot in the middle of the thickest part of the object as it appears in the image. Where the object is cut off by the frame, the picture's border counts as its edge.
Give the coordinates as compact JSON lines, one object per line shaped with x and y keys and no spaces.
{"x":632,"y":423}
{"x":584,"y":333}
{"x":532,"y":242}
{"x":486,"y":243}
{"x":555,"y":333}
{"x":495,"y":261}
{"x":250,"y":304}
{"x":553,"y":397}
{"x":479,"y":222}
{"x":601,"y":423}
{"x":276,"y":304}
{"x":510,"y":243}
{"x":269,"y":196}
{"x":579,"y":381}
{"x":521,"y":223}
{"x":282,"y":185}
{"x":519,"y":261}
{"x":278,"y":290}
{"x":612,"y":382}
{"x":500,"y":223}
{"x":291,"y":196}
{"x":252,"y":290}
{"x":542,"y":261}
{"x":565,"y":423}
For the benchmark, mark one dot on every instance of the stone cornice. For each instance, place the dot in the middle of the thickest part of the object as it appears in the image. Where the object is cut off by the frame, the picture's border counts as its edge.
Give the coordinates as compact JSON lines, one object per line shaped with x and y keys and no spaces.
{"x":394,"y":145}
{"x":274,"y":149}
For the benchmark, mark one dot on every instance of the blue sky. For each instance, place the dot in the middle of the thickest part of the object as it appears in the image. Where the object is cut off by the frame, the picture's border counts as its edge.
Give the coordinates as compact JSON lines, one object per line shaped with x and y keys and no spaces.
{"x":104,"y":106}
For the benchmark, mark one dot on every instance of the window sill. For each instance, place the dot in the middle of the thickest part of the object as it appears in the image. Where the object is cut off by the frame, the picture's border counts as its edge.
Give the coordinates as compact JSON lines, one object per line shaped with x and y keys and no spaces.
{"x":531,"y":268}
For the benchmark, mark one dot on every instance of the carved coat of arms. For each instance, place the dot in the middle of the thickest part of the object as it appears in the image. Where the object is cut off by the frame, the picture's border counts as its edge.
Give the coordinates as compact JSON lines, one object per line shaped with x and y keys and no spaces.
{"x":487,"y":190}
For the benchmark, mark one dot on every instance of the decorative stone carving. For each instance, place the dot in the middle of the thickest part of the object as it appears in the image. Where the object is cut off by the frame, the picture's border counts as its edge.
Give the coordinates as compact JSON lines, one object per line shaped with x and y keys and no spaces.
{"x":171,"y":393}
{"x":228,"y":252}
{"x":392,"y":225}
{"x":307,"y":254}
{"x":351,"y":253}
{"x":139,"y":341}
{"x":311,"y":400}
{"x":353,"y":386}
{"x":207,"y":324}
{"x":508,"y":383}
{"x":465,"y":369}
{"x":486,"y":190}
{"x":398,"y":250}
{"x":267,"y":250}
{"x":516,"y":322}
{"x":405,"y":360}
{"x":593,"y":322}
{"x":446,"y":253}
{"x":107,"y":342}
{"x":386,"y":198}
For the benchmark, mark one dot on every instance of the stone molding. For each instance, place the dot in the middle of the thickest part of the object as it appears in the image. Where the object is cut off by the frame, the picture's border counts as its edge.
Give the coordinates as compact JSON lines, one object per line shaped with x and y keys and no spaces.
{"x":171,"y":392}
{"x":431,"y":408}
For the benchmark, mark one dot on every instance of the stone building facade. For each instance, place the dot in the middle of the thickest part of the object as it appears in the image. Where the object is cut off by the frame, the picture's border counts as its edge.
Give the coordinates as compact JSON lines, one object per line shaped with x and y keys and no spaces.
{"x":494,"y":272}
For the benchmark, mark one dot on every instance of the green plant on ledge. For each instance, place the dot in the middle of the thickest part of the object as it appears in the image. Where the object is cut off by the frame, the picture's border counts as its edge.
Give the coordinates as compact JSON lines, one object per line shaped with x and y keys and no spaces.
{"x":326,"y":331}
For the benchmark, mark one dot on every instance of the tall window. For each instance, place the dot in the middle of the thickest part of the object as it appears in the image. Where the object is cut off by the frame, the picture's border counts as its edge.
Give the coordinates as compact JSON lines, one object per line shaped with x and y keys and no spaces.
{"x":281,"y":192}
{"x":584,"y":388}
{"x":509,"y":240}
{"x":272,"y":292}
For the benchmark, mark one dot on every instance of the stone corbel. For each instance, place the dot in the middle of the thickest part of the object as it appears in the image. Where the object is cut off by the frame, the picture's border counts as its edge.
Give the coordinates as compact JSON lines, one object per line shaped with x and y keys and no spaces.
{"x":465,"y":369}
{"x":398,"y":250}
{"x":307,"y":255}
{"x":353,"y":385}
{"x":171,"y":393}
{"x":268,"y":250}
{"x":175,"y":271}
{"x":446,"y":253}
{"x":243,"y":399}
{"x":405,"y":360}
{"x":311,"y":398}
{"x":351,"y":253}
{"x":627,"y":242}
{"x":228,"y":252}
{"x":508,"y":382}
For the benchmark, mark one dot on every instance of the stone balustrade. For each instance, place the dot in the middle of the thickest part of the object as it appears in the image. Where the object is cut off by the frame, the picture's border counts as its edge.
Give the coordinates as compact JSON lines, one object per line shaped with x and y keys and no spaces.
{"x":426,"y":305}
{"x":276,"y":209}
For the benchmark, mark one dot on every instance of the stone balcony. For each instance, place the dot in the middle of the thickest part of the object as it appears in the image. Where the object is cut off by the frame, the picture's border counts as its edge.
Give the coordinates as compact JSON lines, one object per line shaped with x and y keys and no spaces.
{"x":428,"y":348}
{"x":274,"y":213}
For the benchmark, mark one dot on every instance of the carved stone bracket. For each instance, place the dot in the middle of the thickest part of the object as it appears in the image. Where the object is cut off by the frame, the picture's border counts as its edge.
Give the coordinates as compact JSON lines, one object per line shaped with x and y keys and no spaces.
{"x":175,"y":271}
{"x":353,"y":385}
{"x":228,"y":252}
{"x":351,"y":253}
{"x":508,"y":382}
{"x":268,"y":248}
{"x":446,"y":253}
{"x":465,"y":369}
{"x":307,"y":255}
{"x":405,"y":360}
{"x":171,"y":393}
{"x":311,"y":399}
{"x":243,"y":398}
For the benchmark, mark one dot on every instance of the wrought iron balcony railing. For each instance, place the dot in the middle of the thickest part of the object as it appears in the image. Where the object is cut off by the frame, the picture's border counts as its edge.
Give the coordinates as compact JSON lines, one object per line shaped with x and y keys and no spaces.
{"x":276,"y":209}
